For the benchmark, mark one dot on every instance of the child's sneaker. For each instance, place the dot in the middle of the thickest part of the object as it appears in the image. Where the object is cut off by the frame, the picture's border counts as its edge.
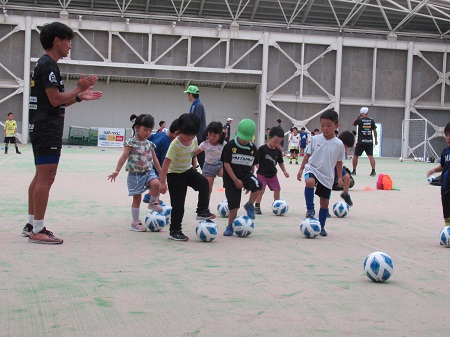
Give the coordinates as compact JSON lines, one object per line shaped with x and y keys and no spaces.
{"x":373,"y":173}
{"x":137,"y":226}
{"x":155,"y":207}
{"x":323,"y":232}
{"x":27,"y":230}
{"x":146,"y":198}
{"x":353,"y":173}
{"x":228,"y":231}
{"x":347,"y":198}
{"x":290,"y":162}
{"x":310,"y":213}
{"x":45,"y":237}
{"x":296,"y":163}
{"x":328,"y":215}
{"x":177,"y":236}
{"x":250,"y":211}
{"x":258,"y":210}
{"x":205,"y":215}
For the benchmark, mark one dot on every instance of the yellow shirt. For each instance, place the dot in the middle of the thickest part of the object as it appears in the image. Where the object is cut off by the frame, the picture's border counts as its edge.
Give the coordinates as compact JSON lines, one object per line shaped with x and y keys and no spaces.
{"x":181,"y":156}
{"x":10,"y":127}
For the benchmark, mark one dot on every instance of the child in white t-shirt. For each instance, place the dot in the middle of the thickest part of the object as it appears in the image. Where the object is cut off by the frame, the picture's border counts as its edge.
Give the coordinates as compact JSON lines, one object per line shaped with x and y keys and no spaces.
{"x":212,"y":147}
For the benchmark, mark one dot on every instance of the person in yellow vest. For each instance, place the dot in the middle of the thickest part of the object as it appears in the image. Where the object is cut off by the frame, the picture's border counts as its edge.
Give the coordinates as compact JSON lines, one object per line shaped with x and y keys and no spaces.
{"x":10,"y":133}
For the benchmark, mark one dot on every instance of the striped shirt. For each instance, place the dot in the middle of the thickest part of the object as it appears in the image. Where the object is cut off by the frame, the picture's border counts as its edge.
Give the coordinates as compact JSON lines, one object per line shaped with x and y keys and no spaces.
{"x":180,"y":156}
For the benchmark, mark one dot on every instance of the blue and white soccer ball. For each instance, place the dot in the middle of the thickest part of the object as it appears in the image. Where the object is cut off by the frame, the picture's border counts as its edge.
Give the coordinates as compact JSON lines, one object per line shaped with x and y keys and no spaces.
{"x":280,"y":207}
{"x":243,"y":226}
{"x":223,"y":209}
{"x":206,"y":230}
{"x":430,"y":179}
{"x":378,"y":266}
{"x":310,"y":228}
{"x":444,"y":236}
{"x":341,"y":209}
{"x":155,"y":221}
{"x":166,"y":211}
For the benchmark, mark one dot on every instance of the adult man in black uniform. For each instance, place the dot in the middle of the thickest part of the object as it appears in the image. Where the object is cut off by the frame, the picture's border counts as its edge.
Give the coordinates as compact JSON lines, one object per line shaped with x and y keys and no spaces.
{"x":366,"y":126}
{"x":48,"y":101}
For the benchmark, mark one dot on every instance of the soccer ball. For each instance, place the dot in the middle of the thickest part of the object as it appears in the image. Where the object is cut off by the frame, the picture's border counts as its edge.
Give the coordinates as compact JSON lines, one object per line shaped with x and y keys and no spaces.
{"x":430,"y":179}
{"x":243,"y":226}
{"x":222,"y":208}
{"x":155,"y":221}
{"x":206,"y":230}
{"x":310,"y":228}
{"x":401,"y":159}
{"x":280,"y":207}
{"x":166,"y":211}
{"x":378,"y":266}
{"x":341,"y":209}
{"x":444,"y":236}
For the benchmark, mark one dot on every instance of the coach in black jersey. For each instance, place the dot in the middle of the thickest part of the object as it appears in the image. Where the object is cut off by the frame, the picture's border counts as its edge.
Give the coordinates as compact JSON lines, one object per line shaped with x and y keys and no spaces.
{"x":366,"y":126}
{"x":48,"y":101}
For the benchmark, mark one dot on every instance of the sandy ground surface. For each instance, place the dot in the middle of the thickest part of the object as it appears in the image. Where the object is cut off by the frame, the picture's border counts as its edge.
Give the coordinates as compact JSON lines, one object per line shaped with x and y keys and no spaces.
{"x":106,"y":280}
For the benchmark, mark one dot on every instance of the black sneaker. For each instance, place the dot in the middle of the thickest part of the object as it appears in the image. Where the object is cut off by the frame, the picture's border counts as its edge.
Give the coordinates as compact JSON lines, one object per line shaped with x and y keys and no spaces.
{"x":353,"y":172}
{"x":373,"y":174}
{"x":258,"y":210}
{"x":27,"y":229}
{"x":323,"y":232}
{"x":205,"y":215}
{"x":178,"y":236}
{"x":310,"y":213}
{"x":347,"y":198}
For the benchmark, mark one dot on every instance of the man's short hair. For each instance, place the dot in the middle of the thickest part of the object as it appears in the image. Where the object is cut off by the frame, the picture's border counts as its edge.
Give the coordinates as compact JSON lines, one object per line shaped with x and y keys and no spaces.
{"x":52,"y":30}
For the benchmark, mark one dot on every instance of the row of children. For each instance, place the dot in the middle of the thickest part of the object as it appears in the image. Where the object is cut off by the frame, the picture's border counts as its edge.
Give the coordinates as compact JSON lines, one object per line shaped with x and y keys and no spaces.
{"x":234,"y":161}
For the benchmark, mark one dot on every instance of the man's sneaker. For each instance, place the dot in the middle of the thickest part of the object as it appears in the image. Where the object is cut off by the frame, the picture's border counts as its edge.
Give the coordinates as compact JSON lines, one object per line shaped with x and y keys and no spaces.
{"x":146,"y":198}
{"x":205,"y":215}
{"x":347,"y":198}
{"x":137,"y":226}
{"x":323,"y":232}
{"x":353,"y":172}
{"x":310,"y":213}
{"x":250,"y":211}
{"x":27,"y":229}
{"x":258,"y":210}
{"x":44,"y":236}
{"x":373,"y":174}
{"x":177,"y":236}
{"x":155,"y":207}
{"x":228,"y":231}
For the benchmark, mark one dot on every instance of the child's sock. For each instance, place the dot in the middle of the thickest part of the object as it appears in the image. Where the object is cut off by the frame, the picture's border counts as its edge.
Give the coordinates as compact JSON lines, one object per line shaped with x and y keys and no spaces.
{"x":135,"y":213}
{"x":309,"y":197}
{"x":257,"y":204}
{"x":153,"y":199}
{"x":38,"y":225}
{"x":31,"y":219}
{"x":323,"y":213}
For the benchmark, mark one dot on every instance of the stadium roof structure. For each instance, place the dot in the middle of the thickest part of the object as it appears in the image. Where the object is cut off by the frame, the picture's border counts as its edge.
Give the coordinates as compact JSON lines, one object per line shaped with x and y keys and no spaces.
{"x":409,"y":18}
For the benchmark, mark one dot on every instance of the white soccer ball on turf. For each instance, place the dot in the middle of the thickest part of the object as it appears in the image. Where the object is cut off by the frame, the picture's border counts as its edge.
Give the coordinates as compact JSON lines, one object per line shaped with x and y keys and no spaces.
{"x":444,"y":236}
{"x":243,"y":226}
{"x":280,"y":207}
{"x":378,"y":266}
{"x":341,"y":209}
{"x":310,"y":228}
{"x":223,"y":209}
{"x":206,"y":230}
{"x":155,"y":221}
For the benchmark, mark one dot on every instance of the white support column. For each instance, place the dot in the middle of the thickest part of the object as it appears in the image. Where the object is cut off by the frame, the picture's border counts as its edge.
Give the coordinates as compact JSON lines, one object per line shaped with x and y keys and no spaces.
{"x":263,"y":90}
{"x":408,"y":87}
{"x":26,"y":80}
{"x":338,"y":80}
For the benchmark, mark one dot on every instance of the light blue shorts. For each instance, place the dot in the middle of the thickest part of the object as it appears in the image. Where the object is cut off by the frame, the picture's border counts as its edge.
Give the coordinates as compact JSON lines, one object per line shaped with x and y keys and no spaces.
{"x":209,"y":170}
{"x":138,"y":182}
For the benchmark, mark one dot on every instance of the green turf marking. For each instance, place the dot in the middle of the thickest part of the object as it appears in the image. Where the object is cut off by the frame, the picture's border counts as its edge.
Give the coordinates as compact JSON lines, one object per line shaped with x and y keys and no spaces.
{"x":293,"y":294}
{"x":102,"y":303}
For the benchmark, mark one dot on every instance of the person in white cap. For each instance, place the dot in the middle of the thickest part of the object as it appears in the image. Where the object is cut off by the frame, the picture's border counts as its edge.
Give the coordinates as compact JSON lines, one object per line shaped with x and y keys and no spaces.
{"x":366,"y":127}
{"x":228,"y":129}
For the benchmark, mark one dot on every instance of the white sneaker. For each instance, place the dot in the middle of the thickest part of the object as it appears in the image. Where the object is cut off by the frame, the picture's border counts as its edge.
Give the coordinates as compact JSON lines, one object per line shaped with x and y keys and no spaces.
{"x":137,"y":226}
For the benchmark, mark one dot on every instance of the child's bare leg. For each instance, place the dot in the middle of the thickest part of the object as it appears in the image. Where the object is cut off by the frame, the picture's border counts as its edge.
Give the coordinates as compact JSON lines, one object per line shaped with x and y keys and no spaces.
{"x":211,"y":184}
{"x":276,"y":195}
{"x":154,"y":196}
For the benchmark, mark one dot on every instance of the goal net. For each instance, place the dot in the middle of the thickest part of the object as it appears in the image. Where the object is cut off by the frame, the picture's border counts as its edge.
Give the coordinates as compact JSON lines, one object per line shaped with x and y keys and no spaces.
{"x":416,"y":136}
